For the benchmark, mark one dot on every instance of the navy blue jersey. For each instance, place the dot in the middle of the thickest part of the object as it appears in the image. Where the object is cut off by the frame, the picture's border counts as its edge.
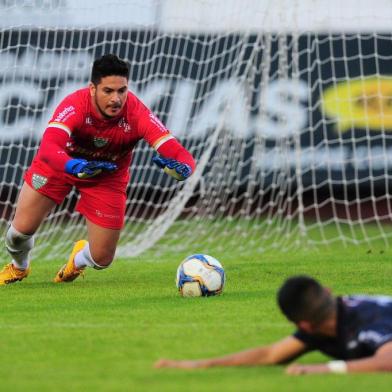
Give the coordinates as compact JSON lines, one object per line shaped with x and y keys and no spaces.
{"x":364,"y":323}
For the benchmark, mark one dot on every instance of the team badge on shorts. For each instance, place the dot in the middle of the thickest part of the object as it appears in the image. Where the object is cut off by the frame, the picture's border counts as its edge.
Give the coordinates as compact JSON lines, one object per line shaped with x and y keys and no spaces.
{"x":38,"y":181}
{"x":100,"y":141}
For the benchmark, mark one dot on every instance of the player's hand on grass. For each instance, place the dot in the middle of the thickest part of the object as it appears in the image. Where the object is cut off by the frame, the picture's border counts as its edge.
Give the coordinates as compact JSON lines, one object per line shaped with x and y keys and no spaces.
{"x":180,"y":171}
{"x":82,"y":168}
{"x":297,"y":369}
{"x":171,"y":363}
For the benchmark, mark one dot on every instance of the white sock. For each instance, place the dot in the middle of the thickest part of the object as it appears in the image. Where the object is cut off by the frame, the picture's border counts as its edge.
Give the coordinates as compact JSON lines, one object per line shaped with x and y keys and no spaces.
{"x":83,"y":258}
{"x":19,"y":246}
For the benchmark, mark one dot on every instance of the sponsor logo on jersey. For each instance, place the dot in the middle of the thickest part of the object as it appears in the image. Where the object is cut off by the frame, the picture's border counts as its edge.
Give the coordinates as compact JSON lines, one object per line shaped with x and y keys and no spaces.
{"x":100,"y":141}
{"x":89,"y":120}
{"x":65,"y":114}
{"x":123,"y":124}
{"x":78,"y":151}
{"x":38,"y":181}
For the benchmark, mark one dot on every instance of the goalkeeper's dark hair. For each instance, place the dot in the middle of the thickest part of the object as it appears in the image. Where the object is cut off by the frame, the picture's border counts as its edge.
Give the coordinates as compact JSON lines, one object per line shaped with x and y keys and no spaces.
{"x":302,"y":298}
{"x":108,"y":65}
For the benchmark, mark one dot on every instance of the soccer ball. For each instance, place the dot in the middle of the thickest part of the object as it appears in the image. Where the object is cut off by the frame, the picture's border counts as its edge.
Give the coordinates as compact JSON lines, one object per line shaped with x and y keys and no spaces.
{"x":200,"y":275}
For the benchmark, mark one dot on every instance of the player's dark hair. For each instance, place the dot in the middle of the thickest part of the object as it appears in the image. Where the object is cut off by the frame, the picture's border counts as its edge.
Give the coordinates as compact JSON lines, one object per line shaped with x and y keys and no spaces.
{"x":303,"y":298}
{"x":108,"y":65}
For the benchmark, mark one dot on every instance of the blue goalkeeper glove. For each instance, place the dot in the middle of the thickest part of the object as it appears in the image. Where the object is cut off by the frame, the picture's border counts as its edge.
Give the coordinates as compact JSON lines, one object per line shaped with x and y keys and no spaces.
{"x":85,"y":169}
{"x":180,"y":171}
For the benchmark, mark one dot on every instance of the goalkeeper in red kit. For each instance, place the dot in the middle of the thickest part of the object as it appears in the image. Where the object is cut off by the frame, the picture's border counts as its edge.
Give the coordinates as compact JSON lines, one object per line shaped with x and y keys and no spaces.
{"x":88,"y":144}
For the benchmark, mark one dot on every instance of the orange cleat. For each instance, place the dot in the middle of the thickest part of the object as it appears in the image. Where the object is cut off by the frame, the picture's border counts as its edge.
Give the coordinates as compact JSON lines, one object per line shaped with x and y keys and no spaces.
{"x":11,"y":274}
{"x":68,"y":272}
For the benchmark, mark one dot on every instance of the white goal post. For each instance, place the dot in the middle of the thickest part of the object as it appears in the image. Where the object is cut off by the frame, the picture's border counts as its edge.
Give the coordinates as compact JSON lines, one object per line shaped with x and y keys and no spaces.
{"x":286,"y":105}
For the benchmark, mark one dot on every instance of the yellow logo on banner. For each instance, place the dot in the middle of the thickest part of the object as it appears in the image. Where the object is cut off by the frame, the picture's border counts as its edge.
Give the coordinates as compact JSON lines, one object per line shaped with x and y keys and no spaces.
{"x":360,"y":103}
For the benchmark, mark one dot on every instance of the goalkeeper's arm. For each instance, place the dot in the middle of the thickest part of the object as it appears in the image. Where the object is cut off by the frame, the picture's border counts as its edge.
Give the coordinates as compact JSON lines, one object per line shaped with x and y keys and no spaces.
{"x":52,"y":151}
{"x":52,"y":148}
{"x":175,"y":160}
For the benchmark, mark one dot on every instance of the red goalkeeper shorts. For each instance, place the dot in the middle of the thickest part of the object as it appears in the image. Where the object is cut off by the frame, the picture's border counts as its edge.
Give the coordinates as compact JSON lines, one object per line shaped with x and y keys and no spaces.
{"x":102,"y":198}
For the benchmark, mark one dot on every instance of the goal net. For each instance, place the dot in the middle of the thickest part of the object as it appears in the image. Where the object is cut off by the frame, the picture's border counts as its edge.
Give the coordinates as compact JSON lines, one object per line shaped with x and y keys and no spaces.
{"x":286,"y":106}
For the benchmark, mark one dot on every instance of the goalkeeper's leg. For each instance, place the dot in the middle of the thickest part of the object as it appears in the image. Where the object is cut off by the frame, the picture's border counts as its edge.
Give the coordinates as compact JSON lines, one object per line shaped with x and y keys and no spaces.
{"x":31,"y":210}
{"x":102,"y":244}
{"x":103,"y":206}
{"x":19,"y":246}
{"x":97,"y":253}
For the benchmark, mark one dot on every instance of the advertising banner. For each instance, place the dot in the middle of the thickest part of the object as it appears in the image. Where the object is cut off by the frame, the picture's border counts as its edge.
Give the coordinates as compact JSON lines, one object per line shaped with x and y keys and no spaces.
{"x":319,"y":104}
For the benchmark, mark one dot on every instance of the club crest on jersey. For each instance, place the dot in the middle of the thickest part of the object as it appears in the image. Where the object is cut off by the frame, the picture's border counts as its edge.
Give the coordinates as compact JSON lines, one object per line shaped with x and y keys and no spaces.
{"x":38,"y":181}
{"x":123,"y":124}
{"x":100,"y":141}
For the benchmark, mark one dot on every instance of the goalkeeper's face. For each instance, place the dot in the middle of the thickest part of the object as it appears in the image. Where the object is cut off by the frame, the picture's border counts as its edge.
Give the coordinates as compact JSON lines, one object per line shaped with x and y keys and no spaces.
{"x":109,"y":95}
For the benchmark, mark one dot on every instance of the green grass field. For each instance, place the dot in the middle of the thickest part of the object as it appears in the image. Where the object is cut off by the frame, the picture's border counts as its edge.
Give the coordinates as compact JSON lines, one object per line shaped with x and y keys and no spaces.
{"x":104,"y":332}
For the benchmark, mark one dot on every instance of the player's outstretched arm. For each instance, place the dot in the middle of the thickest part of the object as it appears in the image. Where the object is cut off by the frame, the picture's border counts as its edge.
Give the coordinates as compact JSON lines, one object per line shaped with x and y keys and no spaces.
{"x":279,"y":352}
{"x":175,"y":160}
{"x":381,"y":361}
{"x":179,"y":171}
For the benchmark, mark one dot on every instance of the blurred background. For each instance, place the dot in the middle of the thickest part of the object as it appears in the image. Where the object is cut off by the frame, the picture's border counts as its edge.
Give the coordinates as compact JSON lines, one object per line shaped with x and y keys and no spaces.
{"x":286,"y":105}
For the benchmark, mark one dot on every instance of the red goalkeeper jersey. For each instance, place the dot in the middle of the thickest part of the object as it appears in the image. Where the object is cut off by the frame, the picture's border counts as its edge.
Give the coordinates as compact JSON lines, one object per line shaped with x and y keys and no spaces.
{"x":94,"y":138}
{"x":76,"y":130}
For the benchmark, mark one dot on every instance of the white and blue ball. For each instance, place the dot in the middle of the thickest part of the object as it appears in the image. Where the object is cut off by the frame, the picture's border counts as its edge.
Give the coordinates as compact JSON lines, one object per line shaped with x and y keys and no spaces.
{"x":200,"y":275}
